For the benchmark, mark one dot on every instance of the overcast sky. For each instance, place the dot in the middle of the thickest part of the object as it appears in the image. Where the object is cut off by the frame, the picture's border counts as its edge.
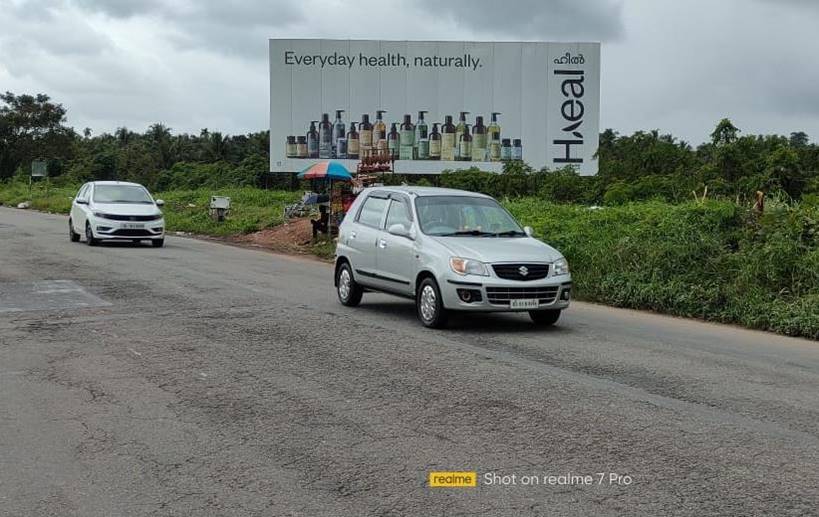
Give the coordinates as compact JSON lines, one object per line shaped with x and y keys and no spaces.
{"x":671,"y":65}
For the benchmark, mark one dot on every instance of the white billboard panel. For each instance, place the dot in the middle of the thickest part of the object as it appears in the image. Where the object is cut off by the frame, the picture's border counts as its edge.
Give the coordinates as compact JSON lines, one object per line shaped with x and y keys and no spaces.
{"x":434,"y":105}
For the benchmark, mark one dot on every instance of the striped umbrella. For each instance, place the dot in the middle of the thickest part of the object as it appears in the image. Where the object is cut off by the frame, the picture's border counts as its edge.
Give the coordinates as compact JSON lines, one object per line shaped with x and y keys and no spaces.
{"x":326,"y":170}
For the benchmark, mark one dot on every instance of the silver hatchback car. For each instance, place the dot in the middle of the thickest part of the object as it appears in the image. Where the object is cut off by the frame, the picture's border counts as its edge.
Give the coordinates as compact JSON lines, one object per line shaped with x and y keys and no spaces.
{"x":449,"y":250}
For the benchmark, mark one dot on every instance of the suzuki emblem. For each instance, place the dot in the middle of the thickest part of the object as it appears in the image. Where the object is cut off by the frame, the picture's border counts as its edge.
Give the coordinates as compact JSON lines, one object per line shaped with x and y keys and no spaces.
{"x":523,"y":270}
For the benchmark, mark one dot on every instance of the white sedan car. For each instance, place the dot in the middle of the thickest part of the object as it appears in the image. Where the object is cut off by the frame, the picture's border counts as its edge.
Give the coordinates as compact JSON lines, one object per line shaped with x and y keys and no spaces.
{"x":116,"y":210}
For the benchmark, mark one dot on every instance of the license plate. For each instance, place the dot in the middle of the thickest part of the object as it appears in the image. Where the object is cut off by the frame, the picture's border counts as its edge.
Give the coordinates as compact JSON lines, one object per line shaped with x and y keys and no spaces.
{"x":132,"y":226}
{"x":523,"y":304}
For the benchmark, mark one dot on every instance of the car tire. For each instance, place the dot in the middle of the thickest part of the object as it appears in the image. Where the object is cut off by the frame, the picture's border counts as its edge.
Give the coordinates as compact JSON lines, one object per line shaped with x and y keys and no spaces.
{"x":348,"y":290}
{"x":158,"y":243}
{"x":89,"y":236}
{"x":74,"y":236}
{"x":545,"y":318}
{"x":429,"y":306}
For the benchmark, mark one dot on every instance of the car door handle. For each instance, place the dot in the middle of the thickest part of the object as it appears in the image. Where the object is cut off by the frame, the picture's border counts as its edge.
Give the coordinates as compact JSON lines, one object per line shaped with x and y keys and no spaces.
{"x":382,"y":243}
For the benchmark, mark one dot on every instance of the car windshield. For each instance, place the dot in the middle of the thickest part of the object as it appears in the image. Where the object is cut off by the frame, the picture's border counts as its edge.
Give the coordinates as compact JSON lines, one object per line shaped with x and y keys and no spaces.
{"x":121,"y":194}
{"x":452,"y":216}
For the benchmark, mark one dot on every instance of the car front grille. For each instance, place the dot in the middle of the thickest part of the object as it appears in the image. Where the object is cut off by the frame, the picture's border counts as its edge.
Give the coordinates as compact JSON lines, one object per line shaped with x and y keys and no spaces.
{"x":134,"y":218}
{"x":132,"y":233}
{"x":502,"y":295}
{"x":521,"y":271}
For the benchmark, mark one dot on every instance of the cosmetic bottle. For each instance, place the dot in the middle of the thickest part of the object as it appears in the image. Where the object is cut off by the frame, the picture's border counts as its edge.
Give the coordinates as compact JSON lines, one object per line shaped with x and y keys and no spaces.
{"x":338,"y":131}
{"x":421,"y":131}
{"x":459,"y":130}
{"x":479,"y":140}
{"x":341,"y":148}
{"x":435,"y":143}
{"x":353,"y":142}
{"x":301,"y":147}
{"x":506,"y":150}
{"x":407,"y":139}
{"x":494,"y":127}
{"x":465,"y":145}
{"x":517,"y":149}
{"x":394,"y":141}
{"x":313,"y":140}
{"x":290,"y":147}
{"x":448,"y":142}
{"x":365,"y":135}
{"x":495,"y":148}
{"x":379,"y":128}
{"x":325,"y":137}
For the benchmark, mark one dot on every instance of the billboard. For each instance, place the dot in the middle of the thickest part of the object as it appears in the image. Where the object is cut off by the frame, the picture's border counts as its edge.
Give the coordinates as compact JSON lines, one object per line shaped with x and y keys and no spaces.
{"x":434,"y":105}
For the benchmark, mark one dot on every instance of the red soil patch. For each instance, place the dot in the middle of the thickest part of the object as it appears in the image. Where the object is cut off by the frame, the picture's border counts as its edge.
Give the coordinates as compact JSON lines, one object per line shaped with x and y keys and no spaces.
{"x":294,"y":236}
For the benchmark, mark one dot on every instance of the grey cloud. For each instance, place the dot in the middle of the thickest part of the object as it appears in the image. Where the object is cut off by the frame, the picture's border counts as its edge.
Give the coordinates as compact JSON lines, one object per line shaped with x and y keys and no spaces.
{"x":540,"y":19}
{"x":240,"y":28}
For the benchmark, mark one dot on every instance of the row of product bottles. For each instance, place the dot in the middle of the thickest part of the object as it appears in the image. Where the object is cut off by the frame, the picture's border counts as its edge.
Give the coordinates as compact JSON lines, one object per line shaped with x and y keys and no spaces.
{"x":408,"y":141}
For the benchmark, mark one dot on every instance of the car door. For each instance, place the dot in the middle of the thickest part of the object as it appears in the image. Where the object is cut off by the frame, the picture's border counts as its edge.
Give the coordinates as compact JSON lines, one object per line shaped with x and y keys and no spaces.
{"x":78,"y":216}
{"x":396,"y":253}
{"x":362,"y":238}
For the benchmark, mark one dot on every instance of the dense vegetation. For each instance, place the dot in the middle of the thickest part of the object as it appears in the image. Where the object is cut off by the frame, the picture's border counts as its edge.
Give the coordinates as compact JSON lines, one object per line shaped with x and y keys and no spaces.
{"x":663,"y":226}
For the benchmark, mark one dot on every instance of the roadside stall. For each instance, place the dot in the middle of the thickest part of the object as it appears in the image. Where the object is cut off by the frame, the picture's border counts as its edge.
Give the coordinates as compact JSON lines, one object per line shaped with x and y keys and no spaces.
{"x":337,"y":180}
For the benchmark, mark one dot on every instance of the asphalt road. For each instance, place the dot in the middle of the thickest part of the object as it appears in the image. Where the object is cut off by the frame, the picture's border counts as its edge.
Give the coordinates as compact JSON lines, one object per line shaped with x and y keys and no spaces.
{"x":204,"y":379}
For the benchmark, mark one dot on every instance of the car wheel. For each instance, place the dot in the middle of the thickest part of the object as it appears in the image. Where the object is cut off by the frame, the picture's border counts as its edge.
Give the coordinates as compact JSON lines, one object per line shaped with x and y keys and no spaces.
{"x":74,"y":236}
{"x":429,"y":305}
{"x":89,"y":236}
{"x":348,"y":290}
{"x":158,"y":243}
{"x":545,"y":318}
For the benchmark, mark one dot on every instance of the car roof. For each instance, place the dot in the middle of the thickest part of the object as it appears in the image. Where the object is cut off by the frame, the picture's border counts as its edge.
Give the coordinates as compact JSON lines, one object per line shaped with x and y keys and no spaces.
{"x":127,"y":183}
{"x":428,"y":191}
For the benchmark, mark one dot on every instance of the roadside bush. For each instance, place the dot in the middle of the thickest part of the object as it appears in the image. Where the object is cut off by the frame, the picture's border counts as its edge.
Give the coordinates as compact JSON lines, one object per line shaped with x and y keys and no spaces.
{"x":714,"y":261}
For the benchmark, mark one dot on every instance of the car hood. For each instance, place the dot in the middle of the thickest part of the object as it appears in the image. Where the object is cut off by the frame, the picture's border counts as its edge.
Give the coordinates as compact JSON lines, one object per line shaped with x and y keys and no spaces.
{"x":125,"y":208}
{"x":500,"y":249}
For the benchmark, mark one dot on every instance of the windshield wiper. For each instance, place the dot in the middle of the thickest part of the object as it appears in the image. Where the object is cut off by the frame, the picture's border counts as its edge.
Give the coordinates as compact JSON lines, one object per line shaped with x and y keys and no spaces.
{"x":477,"y":233}
{"x":510,"y":233}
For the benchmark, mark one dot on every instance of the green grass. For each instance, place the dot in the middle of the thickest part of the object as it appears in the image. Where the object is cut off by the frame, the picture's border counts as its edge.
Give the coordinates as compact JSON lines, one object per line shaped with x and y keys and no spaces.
{"x":715,"y":261}
{"x":185,"y":210}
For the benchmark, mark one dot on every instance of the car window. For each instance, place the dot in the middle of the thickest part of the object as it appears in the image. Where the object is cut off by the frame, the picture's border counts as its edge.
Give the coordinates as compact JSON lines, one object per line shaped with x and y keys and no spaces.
{"x":371,"y":211}
{"x":121,"y":194}
{"x":81,"y":195}
{"x":398,"y":214}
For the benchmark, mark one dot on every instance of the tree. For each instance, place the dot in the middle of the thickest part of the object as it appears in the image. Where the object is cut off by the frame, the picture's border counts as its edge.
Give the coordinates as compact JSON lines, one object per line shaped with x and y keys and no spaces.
{"x":799,"y":139}
{"x":31,"y":127}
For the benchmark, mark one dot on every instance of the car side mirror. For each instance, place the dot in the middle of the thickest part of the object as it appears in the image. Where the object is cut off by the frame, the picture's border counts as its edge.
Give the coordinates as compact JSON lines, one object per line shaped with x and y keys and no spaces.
{"x":159,"y":202}
{"x":399,"y":229}
{"x":528,"y":231}
{"x":81,"y":201}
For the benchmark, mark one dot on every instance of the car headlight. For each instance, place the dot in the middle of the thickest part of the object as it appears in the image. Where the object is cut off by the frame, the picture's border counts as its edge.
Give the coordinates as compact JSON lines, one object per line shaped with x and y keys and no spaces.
{"x":101,"y":215}
{"x":560,"y":267}
{"x":464,"y":266}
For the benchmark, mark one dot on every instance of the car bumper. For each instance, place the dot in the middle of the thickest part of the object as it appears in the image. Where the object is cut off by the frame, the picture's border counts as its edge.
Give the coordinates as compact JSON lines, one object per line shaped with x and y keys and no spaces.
{"x":108,"y":229}
{"x":490,"y":294}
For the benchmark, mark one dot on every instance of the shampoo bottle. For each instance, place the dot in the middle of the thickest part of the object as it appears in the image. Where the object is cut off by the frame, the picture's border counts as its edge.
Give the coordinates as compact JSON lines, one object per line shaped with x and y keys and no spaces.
{"x":379,"y":128}
{"x":421,"y":131}
{"x":365,"y":130}
{"x":465,"y":145}
{"x":313,"y":140}
{"x":394,"y":142}
{"x":353,"y":142}
{"x":506,"y":150}
{"x":479,"y":140}
{"x":325,"y":137}
{"x":407,"y":139}
{"x":459,"y":130}
{"x":517,"y":149}
{"x":495,"y":148}
{"x":435,"y":143}
{"x":448,"y":142}
{"x":338,"y":131}
{"x":494,"y":127}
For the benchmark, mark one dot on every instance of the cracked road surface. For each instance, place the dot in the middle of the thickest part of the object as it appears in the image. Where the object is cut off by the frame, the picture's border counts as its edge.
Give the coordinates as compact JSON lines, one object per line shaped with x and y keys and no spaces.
{"x":204,"y":379}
